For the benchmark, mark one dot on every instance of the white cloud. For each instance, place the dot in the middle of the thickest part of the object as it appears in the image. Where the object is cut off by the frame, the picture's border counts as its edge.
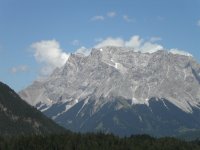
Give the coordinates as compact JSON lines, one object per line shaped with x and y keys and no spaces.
{"x":139,"y":45}
{"x":127,"y":18}
{"x":101,"y":17}
{"x":75,"y":42}
{"x":118,"y":42}
{"x":111,"y":14}
{"x":19,"y":69}
{"x":97,"y":18}
{"x":198,"y":23}
{"x":149,"y":47}
{"x":180,"y":52}
{"x":155,"y":39}
{"x":135,"y":41}
{"x":143,"y":46}
{"x":83,"y":50}
{"x":49,"y":54}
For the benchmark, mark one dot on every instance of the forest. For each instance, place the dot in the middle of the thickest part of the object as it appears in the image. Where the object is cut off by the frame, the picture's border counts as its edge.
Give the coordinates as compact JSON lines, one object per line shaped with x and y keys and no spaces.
{"x":92,"y":141}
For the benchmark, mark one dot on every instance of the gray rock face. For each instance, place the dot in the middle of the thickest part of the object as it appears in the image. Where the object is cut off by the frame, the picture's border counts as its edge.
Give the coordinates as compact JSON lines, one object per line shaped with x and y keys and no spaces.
{"x":112,"y":72}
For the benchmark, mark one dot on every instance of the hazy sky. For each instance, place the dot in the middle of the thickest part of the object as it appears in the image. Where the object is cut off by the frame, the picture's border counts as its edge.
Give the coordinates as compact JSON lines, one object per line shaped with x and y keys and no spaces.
{"x":37,"y":35}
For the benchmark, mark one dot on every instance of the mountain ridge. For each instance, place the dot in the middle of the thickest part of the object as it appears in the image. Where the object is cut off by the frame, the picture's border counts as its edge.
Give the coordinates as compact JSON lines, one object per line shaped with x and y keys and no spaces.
{"x":113,"y":72}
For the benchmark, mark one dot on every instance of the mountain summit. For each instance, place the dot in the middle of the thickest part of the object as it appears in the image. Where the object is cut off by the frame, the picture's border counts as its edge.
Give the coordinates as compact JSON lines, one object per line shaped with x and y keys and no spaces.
{"x":119,"y":90}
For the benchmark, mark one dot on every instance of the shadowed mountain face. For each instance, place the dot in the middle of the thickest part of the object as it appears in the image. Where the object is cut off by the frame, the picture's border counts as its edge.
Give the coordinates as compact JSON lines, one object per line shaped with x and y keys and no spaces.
{"x":159,"y":118}
{"x":122,"y":91}
{"x":19,"y":118}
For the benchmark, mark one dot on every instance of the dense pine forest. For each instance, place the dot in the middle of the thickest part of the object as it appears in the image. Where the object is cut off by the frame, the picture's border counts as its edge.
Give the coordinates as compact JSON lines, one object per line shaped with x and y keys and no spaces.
{"x":90,"y":141}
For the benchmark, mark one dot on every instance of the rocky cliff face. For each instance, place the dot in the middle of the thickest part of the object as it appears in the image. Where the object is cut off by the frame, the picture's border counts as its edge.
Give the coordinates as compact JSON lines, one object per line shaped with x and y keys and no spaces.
{"x":118,"y":80}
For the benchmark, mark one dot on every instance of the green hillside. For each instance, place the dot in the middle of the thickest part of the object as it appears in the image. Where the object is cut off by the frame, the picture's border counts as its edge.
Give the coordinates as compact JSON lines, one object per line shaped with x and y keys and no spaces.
{"x":19,"y":118}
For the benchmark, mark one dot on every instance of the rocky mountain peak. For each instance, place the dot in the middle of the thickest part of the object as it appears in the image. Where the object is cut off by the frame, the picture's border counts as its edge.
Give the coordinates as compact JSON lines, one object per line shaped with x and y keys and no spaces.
{"x":121,"y":72}
{"x":122,"y":90}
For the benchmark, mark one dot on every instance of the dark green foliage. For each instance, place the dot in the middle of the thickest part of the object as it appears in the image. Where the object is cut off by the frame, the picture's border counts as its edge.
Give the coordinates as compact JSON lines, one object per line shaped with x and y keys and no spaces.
{"x":19,"y":118}
{"x":98,"y":141}
{"x":189,"y":135}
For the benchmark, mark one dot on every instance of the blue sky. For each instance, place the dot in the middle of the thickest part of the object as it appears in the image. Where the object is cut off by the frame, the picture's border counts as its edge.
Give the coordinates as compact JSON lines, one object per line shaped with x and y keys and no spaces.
{"x":71,"y":24}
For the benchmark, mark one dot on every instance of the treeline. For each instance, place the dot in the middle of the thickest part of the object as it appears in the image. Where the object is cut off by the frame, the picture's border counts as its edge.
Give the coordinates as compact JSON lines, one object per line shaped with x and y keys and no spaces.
{"x":90,"y":141}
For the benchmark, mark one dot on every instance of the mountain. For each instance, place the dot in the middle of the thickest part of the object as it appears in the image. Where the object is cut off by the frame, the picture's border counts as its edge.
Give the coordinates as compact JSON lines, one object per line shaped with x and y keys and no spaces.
{"x":19,"y":118}
{"x":120,"y":90}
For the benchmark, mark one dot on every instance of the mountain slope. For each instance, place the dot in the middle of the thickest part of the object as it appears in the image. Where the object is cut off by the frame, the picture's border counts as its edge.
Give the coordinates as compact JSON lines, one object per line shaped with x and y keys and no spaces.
{"x":17,"y":117}
{"x":120,"y":90}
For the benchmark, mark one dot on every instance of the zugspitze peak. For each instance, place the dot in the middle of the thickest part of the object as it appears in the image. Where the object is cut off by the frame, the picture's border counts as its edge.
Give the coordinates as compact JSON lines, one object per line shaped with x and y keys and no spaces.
{"x":119,"y":90}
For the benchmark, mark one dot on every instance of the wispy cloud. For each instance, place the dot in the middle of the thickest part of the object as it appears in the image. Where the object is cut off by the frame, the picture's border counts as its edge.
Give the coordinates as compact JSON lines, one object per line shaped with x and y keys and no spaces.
{"x":98,"y":39}
{"x":111,"y":14}
{"x":180,"y":52}
{"x":75,"y":42}
{"x":135,"y":42}
{"x":198,"y":23}
{"x":83,"y":50}
{"x":155,"y":39}
{"x":49,"y":55}
{"x":127,"y":18}
{"x":19,"y":69}
{"x":98,"y":18}
{"x":119,"y":42}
